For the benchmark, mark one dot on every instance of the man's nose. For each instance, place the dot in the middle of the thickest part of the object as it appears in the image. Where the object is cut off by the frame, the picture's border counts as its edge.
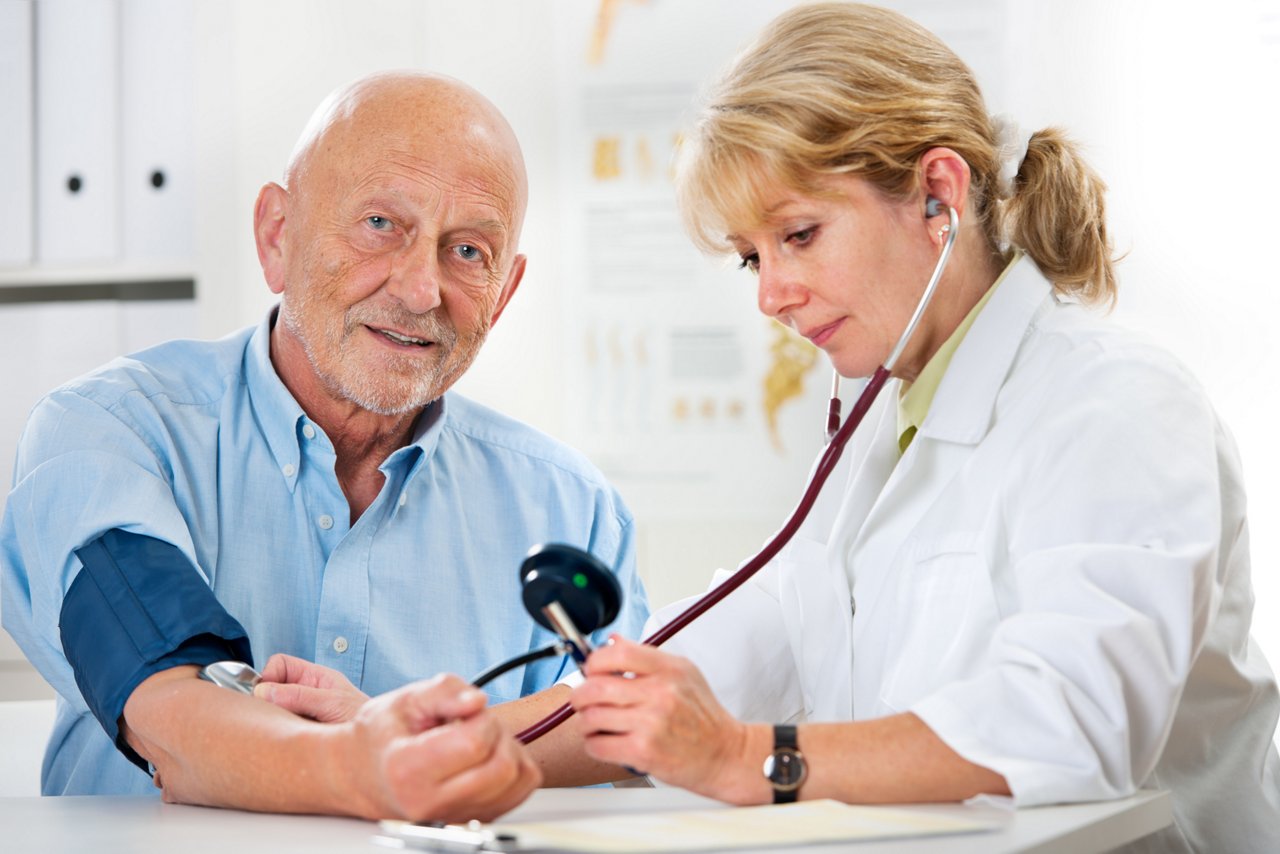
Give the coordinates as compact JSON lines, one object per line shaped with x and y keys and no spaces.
{"x":415,"y":277}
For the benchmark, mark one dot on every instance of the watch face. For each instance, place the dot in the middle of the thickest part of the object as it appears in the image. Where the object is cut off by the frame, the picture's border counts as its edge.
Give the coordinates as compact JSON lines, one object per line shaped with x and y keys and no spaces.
{"x":785,"y":769}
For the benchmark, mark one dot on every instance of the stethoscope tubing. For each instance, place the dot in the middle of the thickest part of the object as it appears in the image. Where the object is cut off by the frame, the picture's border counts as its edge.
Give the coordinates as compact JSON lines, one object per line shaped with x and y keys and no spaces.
{"x":826,"y":465}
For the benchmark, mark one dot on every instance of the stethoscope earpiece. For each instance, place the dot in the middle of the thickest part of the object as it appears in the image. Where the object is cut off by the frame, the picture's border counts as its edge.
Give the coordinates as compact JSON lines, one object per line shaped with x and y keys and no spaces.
{"x":932,"y":207}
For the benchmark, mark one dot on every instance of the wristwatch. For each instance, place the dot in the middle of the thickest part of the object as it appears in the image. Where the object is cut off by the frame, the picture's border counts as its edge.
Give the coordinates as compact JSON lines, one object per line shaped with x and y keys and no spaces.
{"x":785,"y":768}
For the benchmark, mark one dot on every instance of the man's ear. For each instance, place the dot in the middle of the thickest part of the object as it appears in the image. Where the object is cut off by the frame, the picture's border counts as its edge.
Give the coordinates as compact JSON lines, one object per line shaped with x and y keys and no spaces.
{"x":509,"y":289}
{"x":944,"y":175}
{"x":269,"y":214}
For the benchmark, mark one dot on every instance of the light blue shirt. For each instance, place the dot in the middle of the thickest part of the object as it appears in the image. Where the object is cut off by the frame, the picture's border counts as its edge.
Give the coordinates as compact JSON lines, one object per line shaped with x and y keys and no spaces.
{"x":200,"y":444}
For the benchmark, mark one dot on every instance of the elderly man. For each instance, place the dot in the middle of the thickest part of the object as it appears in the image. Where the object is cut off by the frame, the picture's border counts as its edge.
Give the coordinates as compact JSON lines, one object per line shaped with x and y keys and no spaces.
{"x":307,"y":485}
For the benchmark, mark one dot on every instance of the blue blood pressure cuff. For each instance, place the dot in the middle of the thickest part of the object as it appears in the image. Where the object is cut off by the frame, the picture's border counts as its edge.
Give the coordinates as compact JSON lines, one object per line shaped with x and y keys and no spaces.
{"x":137,"y":607}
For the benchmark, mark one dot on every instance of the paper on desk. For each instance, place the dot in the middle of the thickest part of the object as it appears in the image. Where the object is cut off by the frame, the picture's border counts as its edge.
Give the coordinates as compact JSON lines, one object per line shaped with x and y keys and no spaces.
{"x":1001,"y":802}
{"x":809,"y":822}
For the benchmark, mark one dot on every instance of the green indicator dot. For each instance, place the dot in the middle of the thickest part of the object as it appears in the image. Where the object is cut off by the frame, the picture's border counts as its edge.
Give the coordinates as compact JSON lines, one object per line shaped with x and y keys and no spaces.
{"x":579,"y":580}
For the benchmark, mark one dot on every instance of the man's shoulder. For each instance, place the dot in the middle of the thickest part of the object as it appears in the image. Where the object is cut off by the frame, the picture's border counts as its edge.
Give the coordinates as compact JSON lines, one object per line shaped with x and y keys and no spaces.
{"x":179,"y":372}
{"x":474,"y":423}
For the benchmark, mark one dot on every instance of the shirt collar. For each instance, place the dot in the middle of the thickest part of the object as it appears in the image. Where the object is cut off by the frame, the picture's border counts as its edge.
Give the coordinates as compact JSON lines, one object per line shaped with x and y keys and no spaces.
{"x":915,"y":398}
{"x":282,"y":419}
{"x":278,"y":415}
{"x":426,"y":437}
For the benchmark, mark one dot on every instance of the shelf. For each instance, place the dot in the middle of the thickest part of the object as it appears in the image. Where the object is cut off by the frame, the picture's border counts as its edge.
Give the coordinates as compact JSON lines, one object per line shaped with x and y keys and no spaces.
{"x":78,"y":284}
{"x":82,"y":274}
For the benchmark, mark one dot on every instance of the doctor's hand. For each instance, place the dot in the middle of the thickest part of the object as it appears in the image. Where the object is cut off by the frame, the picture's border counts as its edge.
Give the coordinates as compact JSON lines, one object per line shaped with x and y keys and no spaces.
{"x":646,"y":709}
{"x":308,"y":689}
{"x":432,"y":751}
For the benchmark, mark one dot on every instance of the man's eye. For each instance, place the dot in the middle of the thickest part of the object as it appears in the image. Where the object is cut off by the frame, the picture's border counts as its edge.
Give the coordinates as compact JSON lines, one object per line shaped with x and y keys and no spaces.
{"x":467,"y":252}
{"x":378,"y":223}
{"x":750,"y":262}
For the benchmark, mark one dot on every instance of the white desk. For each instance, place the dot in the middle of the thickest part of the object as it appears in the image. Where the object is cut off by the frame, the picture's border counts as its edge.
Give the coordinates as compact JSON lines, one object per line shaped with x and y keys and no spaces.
{"x":144,"y":825}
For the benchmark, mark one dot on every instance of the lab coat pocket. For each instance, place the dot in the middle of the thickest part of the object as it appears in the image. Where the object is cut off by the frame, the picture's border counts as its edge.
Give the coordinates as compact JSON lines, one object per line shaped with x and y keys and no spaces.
{"x":943,"y":618}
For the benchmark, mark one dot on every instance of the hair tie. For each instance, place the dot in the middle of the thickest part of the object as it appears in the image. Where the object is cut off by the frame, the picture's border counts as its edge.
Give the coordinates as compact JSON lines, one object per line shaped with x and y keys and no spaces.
{"x":1011,"y":150}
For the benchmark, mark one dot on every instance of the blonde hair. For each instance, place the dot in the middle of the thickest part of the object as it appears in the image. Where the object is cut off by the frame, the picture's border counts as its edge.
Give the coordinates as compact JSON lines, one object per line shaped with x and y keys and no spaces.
{"x":842,"y":88}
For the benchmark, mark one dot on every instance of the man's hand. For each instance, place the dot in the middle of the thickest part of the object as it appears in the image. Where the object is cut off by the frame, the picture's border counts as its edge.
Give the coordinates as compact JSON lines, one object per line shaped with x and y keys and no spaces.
{"x":439,"y":754}
{"x":310,"y":690}
{"x":429,"y":751}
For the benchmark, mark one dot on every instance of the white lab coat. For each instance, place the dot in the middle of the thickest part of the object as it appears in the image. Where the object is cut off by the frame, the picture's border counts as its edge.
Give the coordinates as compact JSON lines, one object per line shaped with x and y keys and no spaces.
{"x":1054,"y":577}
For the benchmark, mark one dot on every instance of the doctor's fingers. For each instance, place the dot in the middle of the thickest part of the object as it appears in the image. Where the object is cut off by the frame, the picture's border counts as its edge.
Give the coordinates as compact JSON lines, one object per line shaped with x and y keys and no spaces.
{"x":632,"y":749}
{"x":620,"y":655}
{"x":676,"y":714}
{"x":610,"y":689}
{"x":641,"y":721}
{"x":674,"y":684}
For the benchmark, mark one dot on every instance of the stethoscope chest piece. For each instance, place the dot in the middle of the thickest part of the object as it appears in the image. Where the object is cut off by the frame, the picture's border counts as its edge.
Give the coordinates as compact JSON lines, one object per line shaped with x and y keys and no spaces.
{"x":582,"y":585}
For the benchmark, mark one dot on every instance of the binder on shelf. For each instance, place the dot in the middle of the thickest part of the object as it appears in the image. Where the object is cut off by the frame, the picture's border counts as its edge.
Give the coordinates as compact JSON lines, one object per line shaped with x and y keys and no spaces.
{"x":17,"y":199}
{"x":77,"y":112}
{"x":157,"y":88}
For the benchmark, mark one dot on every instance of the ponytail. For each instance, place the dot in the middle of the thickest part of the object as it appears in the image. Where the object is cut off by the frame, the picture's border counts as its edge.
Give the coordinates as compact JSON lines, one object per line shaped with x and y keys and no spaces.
{"x":1057,"y":216}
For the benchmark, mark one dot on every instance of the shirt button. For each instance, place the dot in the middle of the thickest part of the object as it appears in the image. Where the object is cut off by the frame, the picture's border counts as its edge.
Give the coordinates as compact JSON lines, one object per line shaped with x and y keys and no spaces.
{"x":403,"y":499}
{"x":288,"y":469}
{"x":308,"y":431}
{"x":340,"y":644}
{"x":325,"y":521}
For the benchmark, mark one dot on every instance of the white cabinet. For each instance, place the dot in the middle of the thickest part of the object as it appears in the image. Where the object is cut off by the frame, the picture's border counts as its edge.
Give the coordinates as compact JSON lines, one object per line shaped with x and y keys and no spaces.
{"x":157,"y":109}
{"x":77,"y":78}
{"x":17,"y":114}
{"x":97,"y":162}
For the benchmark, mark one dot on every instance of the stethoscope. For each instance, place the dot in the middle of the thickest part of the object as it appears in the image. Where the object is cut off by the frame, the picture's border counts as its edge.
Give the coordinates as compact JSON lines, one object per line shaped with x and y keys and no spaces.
{"x":571,"y":593}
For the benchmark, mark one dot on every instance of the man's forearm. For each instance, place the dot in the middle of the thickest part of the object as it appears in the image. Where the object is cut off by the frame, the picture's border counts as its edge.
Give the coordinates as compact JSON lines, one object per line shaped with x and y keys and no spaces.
{"x":220,"y":748}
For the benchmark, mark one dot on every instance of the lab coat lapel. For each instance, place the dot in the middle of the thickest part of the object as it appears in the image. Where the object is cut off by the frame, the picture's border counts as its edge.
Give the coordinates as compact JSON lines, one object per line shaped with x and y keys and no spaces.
{"x":962,"y":413}
{"x":964,"y":407}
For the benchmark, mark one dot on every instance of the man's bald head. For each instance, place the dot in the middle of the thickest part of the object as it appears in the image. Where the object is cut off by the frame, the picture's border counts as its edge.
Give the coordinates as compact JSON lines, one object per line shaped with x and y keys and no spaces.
{"x":410,"y":109}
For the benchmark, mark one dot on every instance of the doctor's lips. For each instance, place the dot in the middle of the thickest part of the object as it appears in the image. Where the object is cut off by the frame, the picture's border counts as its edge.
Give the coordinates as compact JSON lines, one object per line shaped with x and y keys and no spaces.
{"x":819,"y":335}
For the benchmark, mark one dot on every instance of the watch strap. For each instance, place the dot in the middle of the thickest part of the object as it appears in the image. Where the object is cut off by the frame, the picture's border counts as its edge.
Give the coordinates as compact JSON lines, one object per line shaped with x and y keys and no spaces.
{"x":785,"y":767}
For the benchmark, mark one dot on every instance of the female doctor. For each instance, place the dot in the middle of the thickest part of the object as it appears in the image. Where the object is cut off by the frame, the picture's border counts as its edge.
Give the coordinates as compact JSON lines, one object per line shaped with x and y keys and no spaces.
{"x":1029,"y":575}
